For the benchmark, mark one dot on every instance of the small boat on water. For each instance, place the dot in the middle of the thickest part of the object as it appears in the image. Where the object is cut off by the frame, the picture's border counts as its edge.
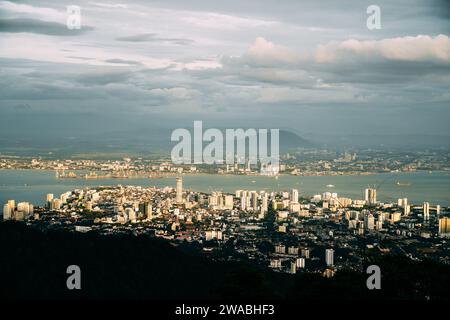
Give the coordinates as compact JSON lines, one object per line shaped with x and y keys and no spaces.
{"x":405,"y":184}
{"x":330,"y":185}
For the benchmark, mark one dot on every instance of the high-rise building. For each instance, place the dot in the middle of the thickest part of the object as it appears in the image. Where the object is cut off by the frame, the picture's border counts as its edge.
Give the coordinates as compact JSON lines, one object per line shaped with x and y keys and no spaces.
{"x":254,"y":200}
{"x":293,"y":269}
{"x":265,"y":203}
{"x":131,"y":214}
{"x":403,"y":202}
{"x":50,"y":201}
{"x":213,"y":234}
{"x":146,"y":209}
{"x":444,"y":227}
{"x":426,"y":211}
{"x":406,"y":207}
{"x":280,"y":249}
{"x":395,"y":217}
{"x":56,"y":204}
{"x":329,"y":257}
{"x":229,"y":202}
{"x":213,"y":199}
{"x":275,"y":263}
{"x":12,"y":204}
{"x":407,"y":210}
{"x":179,"y":190}
{"x":243,"y":202}
{"x":379,"y":225}
{"x":371,"y":196}
{"x":294,"y":196}
{"x":438,"y":210}
{"x":300,"y":262}
{"x":64,"y":197}
{"x":369,"y":221}
{"x":305,"y":253}
{"x":25,"y":207}
{"x":7,"y":212}
{"x":221,"y":200}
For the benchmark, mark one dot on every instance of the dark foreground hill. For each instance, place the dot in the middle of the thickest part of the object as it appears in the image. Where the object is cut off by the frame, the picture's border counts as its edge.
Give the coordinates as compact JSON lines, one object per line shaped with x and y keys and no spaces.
{"x":33,"y":266}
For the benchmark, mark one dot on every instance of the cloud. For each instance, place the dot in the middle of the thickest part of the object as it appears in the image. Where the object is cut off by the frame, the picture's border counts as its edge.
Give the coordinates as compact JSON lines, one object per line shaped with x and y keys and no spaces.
{"x":103,"y":77}
{"x":394,"y":61}
{"x":265,"y":53}
{"x":152,"y":37}
{"x":291,"y":64}
{"x":36,"y":12}
{"x":49,"y":49}
{"x":110,"y":5}
{"x":413,"y":49}
{"x":266,"y":50}
{"x":355,"y":62}
{"x":420,"y":48}
{"x":176,"y":93}
{"x":79,"y":58}
{"x":23,"y":25}
{"x":275,"y":95}
{"x":198,"y":64}
{"x":212,"y":20}
{"x":122,"y":61}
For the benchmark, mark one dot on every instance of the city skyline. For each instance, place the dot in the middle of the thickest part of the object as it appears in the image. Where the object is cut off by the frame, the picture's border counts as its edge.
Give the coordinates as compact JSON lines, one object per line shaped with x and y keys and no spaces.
{"x":280,"y":219}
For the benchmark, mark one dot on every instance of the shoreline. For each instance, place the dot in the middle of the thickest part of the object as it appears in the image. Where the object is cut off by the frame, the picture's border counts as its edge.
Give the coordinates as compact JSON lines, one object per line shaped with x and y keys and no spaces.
{"x":32,"y":184}
{"x":172,"y":174}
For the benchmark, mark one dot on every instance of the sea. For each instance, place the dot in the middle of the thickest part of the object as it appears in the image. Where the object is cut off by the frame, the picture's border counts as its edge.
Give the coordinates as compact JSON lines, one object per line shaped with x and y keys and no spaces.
{"x":434,"y":187}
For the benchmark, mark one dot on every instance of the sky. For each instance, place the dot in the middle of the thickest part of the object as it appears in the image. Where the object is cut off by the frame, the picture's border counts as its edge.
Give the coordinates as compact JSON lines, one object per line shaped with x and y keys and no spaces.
{"x":312,"y":67}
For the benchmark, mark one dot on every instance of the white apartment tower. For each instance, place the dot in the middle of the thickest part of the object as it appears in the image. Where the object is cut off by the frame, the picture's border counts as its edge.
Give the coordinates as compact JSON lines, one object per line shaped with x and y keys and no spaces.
{"x":179,"y":190}
{"x":329,"y":257}
{"x":294,"y":196}
{"x":426,"y":211}
{"x":371,"y":195}
{"x":7,"y":212}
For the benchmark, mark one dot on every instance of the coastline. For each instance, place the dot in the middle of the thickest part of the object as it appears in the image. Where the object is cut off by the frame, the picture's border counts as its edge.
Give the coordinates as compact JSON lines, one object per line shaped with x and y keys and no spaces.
{"x":33,"y":184}
{"x":253,"y":174}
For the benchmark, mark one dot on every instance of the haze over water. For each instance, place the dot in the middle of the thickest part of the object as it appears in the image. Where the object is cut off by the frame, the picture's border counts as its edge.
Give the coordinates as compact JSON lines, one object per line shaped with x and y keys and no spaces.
{"x":33,"y":185}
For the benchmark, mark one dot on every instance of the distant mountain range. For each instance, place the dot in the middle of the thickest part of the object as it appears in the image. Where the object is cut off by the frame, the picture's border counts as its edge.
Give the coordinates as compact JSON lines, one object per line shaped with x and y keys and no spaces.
{"x":118,"y":143}
{"x":154,"y":140}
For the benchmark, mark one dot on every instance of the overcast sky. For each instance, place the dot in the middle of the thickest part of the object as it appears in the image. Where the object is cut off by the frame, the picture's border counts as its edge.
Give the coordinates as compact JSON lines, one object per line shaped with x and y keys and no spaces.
{"x":312,"y":66}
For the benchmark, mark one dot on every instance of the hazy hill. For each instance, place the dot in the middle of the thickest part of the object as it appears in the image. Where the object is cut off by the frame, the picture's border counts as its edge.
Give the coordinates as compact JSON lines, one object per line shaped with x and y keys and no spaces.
{"x":114,"y":143}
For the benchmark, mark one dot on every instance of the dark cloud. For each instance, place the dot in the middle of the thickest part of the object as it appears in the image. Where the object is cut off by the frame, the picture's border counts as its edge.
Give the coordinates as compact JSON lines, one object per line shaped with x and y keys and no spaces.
{"x":20,"y":25}
{"x":122,"y":61}
{"x":152,"y":37}
{"x":80,"y":58}
{"x":441,"y":9}
{"x":102,"y":77}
